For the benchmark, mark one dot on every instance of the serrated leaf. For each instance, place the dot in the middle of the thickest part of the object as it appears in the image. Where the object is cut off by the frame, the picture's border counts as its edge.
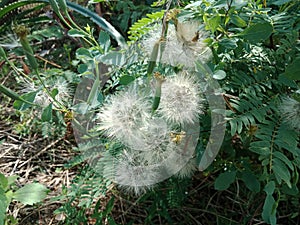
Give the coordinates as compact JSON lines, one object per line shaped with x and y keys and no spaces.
{"x":257,"y":32}
{"x":31,"y":193}
{"x":224,"y":180}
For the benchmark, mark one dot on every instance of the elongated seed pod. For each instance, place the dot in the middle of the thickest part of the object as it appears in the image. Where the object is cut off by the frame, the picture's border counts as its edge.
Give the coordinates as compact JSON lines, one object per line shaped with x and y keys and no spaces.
{"x":156,"y":100}
{"x":22,"y":32}
{"x":9,"y":93}
{"x":153,"y":58}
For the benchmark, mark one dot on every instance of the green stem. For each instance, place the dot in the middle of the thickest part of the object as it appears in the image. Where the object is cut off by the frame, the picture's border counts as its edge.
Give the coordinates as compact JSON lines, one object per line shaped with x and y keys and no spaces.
{"x":48,"y":92}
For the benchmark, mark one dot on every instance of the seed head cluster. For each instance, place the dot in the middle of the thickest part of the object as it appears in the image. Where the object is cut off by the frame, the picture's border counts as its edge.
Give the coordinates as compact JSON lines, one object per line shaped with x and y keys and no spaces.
{"x":152,"y":141}
{"x":183,"y":45}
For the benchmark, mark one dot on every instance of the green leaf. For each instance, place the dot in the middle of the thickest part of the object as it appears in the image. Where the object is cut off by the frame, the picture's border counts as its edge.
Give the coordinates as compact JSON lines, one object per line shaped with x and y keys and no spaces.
{"x":213,"y":23}
{"x":228,"y":44}
{"x":13,"y":6}
{"x":21,"y":105}
{"x":261,"y":151}
{"x":83,"y":53}
{"x":293,"y":70}
{"x":233,"y":126}
{"x":290,"y":191}
{"x":9,"y":195}
{"x":269,"y":188}
{"x":238,"y":21}
{"x":11,"y":179}
{"x":104,"y":41}
{"x":219,"y":75}
{"x":287,"y":81}
{"x":81,"y":108}
{"x":111,"y":221}
{"x":76,"y":33}
{"x":47,"y":113}
{"x":284,"y":159}
{"x":224,"y":180}
{"x":269,"y":210}
{"x":251,"y":181}
{"x":82,"y":68}
{"x":3,"y":182}
{"x":99,"y":21}
{"x":3,"y":206}
{"x":126,"y":79}
{"x":257,"y":32}
{"x":281,"y":172}
{"x":31,"y":194}
{"x":114,"y":58}
{"x":54,"y":92}
{"x":280,"y":2}
{"x":109,"y":206}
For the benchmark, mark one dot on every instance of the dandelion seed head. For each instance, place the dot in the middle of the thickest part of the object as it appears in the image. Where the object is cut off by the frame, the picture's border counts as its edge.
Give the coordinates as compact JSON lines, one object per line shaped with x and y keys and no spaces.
{"x":124,"y":115}
{"x":133,"y":176}
{"x":182,"y":46}
{"x":180,"y":101}
{"x":64,"y":93}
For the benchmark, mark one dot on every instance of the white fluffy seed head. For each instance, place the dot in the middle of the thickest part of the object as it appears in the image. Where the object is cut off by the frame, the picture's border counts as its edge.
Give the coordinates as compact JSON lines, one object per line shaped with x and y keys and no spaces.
{"x":124,"y":115}
{"x":290,"y":109}
{"x":132,"y":175}
{"x":183,"y":45}
{"x":180,"y":100}
{"x":64,"y":91}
